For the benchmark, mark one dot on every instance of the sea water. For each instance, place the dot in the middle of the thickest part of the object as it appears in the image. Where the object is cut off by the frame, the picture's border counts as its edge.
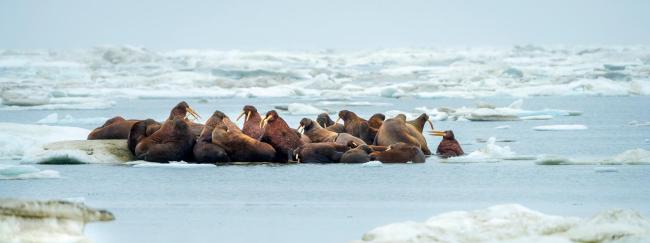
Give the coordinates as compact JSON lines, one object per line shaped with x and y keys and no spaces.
{"x":341,"y":202}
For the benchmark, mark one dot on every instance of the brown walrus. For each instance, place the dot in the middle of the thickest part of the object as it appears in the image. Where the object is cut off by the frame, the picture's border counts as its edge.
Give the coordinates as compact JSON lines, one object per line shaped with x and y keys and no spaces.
{"x":169,"y":142}
{"x":241,"y":147}
{"x":251,"y":122}
{"x":114,"y":128}
{"x":318,"y":135}
{"x":277,"y":133}
{"x":139,"y":131}
{"x":319,"y":153}
{"x":360,"y":154}
{"x":172,"y":142}
{"x":399,"y":153}
{"x":396,"y":130}
{"x":419,"y":122}
{"x":326,"y":122}
{"x":204,"y":150}
{"x":448,"y":147}
{"x":356,"y":126}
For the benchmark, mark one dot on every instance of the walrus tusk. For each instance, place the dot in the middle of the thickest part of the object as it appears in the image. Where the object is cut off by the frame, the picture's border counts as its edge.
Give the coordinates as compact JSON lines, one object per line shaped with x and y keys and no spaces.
{"x":430,"y":123}
{"x":337,"y":121}
{"x":301,"y":129}
{"x":240,"y":115}
{"x":437,"y":133}
{"x":193,"y":113}
{"x":263,"y":123}
{"x":248,"y":116}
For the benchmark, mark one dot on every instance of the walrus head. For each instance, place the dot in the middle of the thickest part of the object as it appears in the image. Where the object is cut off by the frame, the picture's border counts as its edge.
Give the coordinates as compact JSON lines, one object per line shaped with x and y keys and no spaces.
{"x":216,"y":118}
{"x":248,"y":110}
{"x":449,"y":134}
{"x":182,"y":110}
{"x":376,"y":120}
{"x":270,"y":117}
{"x":324,"y":120}
{"x":346,"y":115}
{"x":307,"y":124}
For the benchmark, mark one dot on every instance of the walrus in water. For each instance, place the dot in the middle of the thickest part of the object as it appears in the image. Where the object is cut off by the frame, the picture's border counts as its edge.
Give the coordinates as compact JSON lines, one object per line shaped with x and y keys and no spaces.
{"x":356,"y":126}
{"x":172,"y":142}
{"x":326,"y":122}
{"x":114,"y":128}
{"x":396,"y":130}
{"x":319,"y":135}
{"x":204,"y":150}
{"x":252,"y":122}
{"x":241,"y":147}
{"x":399,"y":153}
{"x":419,"y":122}
{"x":360,"y":154}
{"x":448,"y":147}
{"x":169,"y":142}
{"x":319,"y":153}
{"x":277,"y":133}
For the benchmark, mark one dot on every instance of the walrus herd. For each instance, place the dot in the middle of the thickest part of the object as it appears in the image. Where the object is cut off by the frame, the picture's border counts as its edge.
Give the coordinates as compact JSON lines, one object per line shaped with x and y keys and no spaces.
{"x":271,"y":139}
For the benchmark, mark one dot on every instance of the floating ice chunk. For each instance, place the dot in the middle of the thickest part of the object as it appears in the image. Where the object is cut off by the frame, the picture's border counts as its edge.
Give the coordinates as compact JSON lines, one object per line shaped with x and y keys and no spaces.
{"x":502,"y":127}
{"x":489,"y":154}
{"x":22,"y":172}
{"x":632,"y":156}
{"x":373,"y":164}
{"x":485,"y":114}
{"x":538,"y":117}
{"x":516,"y":223}
{"x":46,"y":221}
{"x":171,"y":164}
{"x":105,"y":151}
{"x":27,"y":97}
{"x":546,"y":159}
{"x":560,"y":127}
{"x":17,"y":139}
{"x":639,"y":124}
{"x":303,"y":109}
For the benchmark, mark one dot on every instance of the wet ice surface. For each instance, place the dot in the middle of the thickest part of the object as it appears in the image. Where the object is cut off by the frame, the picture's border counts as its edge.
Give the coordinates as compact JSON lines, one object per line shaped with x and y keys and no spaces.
{"x":338,"y":203}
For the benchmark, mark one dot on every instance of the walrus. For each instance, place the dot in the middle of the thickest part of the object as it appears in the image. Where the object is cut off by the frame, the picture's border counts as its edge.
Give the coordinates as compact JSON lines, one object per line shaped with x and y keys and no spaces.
{"x":277,"y":133}
{"x":182,"y":109}
{"x":241,"y":147}
{"x":172,"y":142}
{"x":448,"y":147}
{"x":356,"y":126}
{"x":251,"y":121}
{"x":419,"y":122}
{"x":360,"y":154}
{"x":318,"y":135}
{"x":319,"y":153}
{"x":114,"y":128}
{"x":396,"y":130}
{"x":399,"y":153}
{"x":326,"y":122}
{"x":139,"y":131}
{"x":204,"y":150}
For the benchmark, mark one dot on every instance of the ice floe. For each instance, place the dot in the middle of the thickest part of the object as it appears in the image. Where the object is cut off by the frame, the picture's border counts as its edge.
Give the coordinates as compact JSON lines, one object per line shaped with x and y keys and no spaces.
{"x":303,"y":109}
{"x":46,"y":221}
{"x":44,"y":79}
{"x":373,"y":164}
{"x":637,"y":156}
{"x":487,"y":112}
{"x":516,"y":223}
{"x":171,"y":164}
{"x":23,"y":172}
{"x":108,"y":151}
{"x":16,"y":139}
{"x":488,"y":154}
{"x":563,"y":127}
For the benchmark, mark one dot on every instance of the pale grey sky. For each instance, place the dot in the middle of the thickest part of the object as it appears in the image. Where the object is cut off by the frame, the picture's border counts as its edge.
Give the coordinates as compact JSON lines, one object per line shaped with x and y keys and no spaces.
{"x":304,"y":24}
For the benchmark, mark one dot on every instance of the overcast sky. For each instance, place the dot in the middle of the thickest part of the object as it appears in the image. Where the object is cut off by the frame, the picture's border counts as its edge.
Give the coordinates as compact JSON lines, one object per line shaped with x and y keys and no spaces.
{"x":304,"y":24}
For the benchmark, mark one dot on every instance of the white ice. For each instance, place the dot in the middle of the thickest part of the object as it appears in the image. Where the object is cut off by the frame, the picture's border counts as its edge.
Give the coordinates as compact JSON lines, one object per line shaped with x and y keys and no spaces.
{"x":16,"y":139}
{"x":516,"y":223}
{"x":171,"y":164}
{"x":490,"y":153}
{"x":563,"y":127}
{"x":23,"y":172}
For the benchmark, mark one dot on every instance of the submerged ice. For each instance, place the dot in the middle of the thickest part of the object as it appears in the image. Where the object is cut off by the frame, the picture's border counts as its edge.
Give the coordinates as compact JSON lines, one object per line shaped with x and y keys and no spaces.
{"x":92,"y":78}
